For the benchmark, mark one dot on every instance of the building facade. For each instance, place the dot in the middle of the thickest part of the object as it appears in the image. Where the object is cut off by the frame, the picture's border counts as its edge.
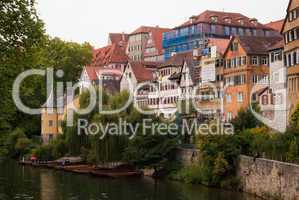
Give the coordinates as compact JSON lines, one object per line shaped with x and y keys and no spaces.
{"x":246,"y":71}
{"x":53,"y":113}
{"x":210,"y":98}
{"x":290,"y":31}
{"x":273,"y":99}
{"x":145,"y":40}
{"x":211,"y":24}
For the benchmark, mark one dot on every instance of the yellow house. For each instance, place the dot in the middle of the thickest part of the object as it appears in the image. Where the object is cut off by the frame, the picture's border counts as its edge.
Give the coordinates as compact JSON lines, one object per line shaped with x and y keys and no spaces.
{"x":52,"y":116}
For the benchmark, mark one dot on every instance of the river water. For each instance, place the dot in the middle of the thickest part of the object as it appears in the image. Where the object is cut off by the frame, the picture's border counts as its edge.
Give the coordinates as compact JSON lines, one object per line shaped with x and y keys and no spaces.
{"x":24,"y":182}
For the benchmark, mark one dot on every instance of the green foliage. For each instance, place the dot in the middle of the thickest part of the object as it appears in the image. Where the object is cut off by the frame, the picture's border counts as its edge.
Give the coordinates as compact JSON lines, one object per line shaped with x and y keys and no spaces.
{"x":23,"y":146}
{"x":191,"y":174}
{"x":292,"y":154}
{"x":59,"y":147}
{"x":151,"y":150}
{"x":24,"y":45}
{"x":245,"y":120}
{"x":43,"y":152}
{"x":295,"y":117}
{"x":12,"y":140}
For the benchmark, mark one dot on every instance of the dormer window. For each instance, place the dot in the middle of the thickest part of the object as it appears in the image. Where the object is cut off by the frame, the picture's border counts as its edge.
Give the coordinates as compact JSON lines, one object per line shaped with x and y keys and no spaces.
{"x":193,"y":19}
{"x":214,"y":19}
{"x":241,"y":21}
{"x":254,"y":21}
{"x":228,"y":20}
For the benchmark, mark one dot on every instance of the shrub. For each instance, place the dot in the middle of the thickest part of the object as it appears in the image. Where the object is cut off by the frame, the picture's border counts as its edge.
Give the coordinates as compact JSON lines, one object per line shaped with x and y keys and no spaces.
{"x":43,"y":152}
{"x":22,"y":146}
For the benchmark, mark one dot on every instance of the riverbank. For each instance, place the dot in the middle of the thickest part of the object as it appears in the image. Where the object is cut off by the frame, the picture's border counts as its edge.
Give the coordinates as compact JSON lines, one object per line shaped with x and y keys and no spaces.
{"x":120,"y":171}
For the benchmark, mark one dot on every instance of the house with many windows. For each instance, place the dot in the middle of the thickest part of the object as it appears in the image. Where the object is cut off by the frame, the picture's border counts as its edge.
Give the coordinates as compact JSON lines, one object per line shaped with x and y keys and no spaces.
{"x":273,"y":98}
{"x":165,"y":93}
{"x":290,"y":32}
{"x":138,"y":43}
{"x":209,"y":92}
{"x":246,"y":71}
{"x":106,"y":68}
{"x":212,"y":24}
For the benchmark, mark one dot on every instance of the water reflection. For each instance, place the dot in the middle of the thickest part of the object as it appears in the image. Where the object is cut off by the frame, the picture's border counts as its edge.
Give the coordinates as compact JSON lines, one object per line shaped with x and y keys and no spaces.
{"x":18,"y":182}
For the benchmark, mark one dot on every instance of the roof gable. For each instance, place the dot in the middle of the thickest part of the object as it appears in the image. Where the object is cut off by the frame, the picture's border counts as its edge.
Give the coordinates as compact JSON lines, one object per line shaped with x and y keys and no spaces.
{"x":141,"y":73}
{"x":254,"y":45}
{"x":286,"y":18}
{"x":276,"y":25}
{"x":109,"y":54}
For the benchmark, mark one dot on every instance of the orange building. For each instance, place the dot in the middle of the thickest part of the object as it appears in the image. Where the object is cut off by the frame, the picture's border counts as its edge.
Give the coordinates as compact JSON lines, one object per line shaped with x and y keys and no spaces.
{"x":246,"y":64}
{"x":290,"y":30}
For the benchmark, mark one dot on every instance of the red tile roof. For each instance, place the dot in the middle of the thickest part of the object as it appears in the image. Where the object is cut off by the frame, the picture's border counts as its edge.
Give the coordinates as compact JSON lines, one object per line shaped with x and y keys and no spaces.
{"x":205,"y":17}
{"x":278,"y":45}
{"x":110,"y":54}
{"x":178,"y":59}
{"x":118,"y":37}
{"x":148,"y":29}
{"x":221,"y":44}
{"x":93,"y":72}
{"x":257,"y":45}
{"x":141,"y":73}
{"x":276,"y":25}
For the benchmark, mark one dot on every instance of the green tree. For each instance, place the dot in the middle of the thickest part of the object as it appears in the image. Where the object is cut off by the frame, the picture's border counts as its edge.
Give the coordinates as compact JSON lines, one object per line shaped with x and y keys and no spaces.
{"x":245,"y":120}
{"x":292,"y":154}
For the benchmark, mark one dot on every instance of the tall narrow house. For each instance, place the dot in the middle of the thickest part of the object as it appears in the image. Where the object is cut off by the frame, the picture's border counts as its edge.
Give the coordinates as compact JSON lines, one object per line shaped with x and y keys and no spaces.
{"x":290,"y":30}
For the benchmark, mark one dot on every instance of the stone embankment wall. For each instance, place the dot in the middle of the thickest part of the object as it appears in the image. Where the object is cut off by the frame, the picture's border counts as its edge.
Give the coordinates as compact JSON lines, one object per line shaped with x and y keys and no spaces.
{"x":188,"y":156}
{"x":269,"y":179}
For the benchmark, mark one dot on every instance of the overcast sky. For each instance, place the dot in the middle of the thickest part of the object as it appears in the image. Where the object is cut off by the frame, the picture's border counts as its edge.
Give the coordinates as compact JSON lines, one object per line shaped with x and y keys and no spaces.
{"x":92,"y":20}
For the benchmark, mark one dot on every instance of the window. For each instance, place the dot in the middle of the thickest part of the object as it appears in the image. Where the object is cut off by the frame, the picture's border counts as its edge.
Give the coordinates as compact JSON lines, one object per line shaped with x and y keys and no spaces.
{"x":278,"y":99}
{"x":234,"y":46}
{"x":264,"y":61}
{"x":226,"y":30}
{"x":229,"y":116}
{"x":213,"y":29}
{"x":293,"y":15}
{"x":275,"y":77}
{"x":241,"y":31}
{"x":214,"y":19}
{"x":234,"y":31}
{"x":228,"y":63}
{"x":239,"y":61}
{"x":248,"y":32}
{"x":241,"y":21}
{"x":254,"y":32}
{"x":228,"y":98}
{"x":243,"y":60}
{"x":228,"y":20}
{"x":51,"y":123}
{"x":254,"y":60}
{"x":240,"y":97}
{"x":265,"y":99}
